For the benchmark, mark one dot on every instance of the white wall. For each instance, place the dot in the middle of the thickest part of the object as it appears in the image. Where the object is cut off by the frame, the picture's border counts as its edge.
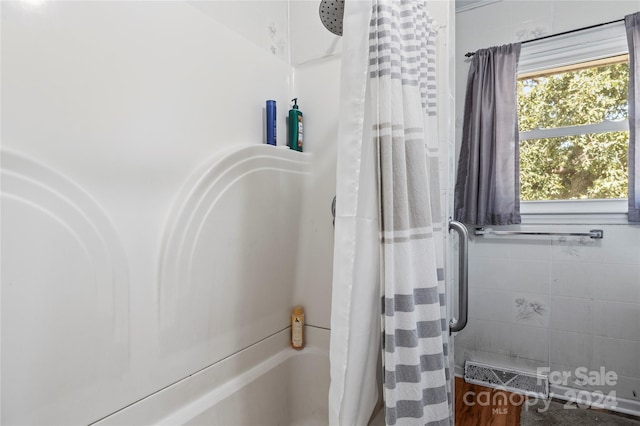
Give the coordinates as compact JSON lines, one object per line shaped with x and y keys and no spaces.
{"x":108,"y":109}
{"x":589,"y":291}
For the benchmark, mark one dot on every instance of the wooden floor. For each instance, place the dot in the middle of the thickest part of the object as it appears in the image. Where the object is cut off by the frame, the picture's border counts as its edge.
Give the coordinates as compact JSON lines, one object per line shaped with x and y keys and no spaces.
{"x":481,"y":406}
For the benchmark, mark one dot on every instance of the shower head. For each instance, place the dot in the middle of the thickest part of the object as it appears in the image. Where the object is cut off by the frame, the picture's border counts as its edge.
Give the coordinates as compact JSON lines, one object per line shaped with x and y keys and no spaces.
{"x":331,"y":15}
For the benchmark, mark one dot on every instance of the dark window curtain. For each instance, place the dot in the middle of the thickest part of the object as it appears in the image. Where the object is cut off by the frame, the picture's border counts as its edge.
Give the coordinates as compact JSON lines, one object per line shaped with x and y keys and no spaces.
{"x":632,"y":23}
{"x":487,"y":188}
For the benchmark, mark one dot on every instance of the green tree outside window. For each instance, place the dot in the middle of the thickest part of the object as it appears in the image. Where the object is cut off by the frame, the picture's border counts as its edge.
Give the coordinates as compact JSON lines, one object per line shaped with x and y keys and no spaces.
{"x":586,"y":166}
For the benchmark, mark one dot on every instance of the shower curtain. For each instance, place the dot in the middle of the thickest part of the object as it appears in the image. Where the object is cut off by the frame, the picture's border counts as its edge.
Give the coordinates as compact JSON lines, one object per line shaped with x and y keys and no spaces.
{"x":389,"y":224}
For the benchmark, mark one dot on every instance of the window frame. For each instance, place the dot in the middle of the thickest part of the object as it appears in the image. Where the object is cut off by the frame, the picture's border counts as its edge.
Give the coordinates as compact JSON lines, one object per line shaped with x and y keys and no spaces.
{"x":563,"y":50}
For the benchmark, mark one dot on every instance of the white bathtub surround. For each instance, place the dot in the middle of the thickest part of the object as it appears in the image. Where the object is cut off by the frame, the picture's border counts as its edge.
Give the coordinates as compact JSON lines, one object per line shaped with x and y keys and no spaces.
{"x":59,"y":246}
{"x":110,"y":108}
{"x":45,"y":213}
{"x":219,"y":218}
{"x":267,"y":383}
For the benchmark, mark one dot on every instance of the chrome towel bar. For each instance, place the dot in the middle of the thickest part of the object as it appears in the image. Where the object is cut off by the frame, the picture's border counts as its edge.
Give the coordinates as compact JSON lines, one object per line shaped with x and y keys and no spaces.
{"x":596,"y":234}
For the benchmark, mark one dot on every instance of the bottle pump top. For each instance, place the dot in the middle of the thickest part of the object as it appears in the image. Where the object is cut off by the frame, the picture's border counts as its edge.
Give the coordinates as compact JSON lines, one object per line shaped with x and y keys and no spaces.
{"x":295,"y":103}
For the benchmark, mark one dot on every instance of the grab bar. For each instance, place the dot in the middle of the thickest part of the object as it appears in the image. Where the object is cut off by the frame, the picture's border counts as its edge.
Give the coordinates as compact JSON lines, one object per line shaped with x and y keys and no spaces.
{"x":333,"y":210}
{"x":463,"y":278}
{"x":596,"y":234}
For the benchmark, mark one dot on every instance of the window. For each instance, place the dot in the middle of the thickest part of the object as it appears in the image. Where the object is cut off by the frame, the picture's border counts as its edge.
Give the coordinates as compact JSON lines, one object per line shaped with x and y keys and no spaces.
{"x":573,"y":131}
{"x":572,"y":116}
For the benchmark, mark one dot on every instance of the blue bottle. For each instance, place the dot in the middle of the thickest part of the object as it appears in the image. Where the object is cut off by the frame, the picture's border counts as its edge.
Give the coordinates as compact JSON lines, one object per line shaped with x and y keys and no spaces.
{"x":271,"y":122}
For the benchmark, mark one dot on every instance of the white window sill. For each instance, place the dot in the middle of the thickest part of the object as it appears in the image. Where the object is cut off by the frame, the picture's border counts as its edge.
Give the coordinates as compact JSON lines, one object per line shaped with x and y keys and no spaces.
{"x":612,"y":211}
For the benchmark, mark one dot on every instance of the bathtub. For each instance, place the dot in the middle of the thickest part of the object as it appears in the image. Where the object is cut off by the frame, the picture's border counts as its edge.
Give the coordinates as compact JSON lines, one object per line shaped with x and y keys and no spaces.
{"x":267,"y":383}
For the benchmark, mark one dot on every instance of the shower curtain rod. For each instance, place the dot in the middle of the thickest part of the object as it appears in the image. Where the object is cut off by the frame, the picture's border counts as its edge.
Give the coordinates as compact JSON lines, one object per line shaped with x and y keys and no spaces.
{"x":470,"y":54}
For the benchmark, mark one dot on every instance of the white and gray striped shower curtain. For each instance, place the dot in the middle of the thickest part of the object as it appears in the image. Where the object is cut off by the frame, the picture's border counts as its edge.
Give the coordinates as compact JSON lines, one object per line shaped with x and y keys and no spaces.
{"x":402,"y":71}
{"x":390,"y":138}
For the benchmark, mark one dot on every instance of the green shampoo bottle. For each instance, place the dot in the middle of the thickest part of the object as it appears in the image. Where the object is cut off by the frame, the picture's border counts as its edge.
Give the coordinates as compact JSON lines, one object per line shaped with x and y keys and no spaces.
{"x":296,"y":129}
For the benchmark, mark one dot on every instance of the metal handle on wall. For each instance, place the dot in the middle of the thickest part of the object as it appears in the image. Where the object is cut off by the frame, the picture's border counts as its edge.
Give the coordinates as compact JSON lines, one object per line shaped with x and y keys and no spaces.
{"x":463,"y":277}
{"x":333,"y":210}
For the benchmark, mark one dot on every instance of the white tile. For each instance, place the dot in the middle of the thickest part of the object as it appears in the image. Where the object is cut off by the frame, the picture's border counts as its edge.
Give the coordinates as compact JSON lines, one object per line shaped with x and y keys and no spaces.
{"x":530,"y":343}
{"x":625,"y":388}
{"x":571,"y":314}
{"x":474,"y":266}
{"x":572,"y":249}
{"x":489,"y":305}
{"x":621,"y":244}
{"x":617,"y":355}
{"x":572,"y":279}
{"x":493,"y":336}
{"x":572,"y":349}
{"x":559,"y":374}
{"x":616,"y":282}
{"x":531,"y":248}
{"x":530,"y":309}
{"x":566,"y":375}
{"x":467,"y":338}
{"x":530,"y":276}
{"x":525,"y":364}
{"x":464,"y":355}
{"x":488,"y":247}
{"x":616,"y":319}
{"x":491,"y":273}
{"x":609,"y":387}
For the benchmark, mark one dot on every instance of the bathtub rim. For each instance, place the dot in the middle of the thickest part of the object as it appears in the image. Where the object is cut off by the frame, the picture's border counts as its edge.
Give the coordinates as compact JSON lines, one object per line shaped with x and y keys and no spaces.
{"x":192,"y":395}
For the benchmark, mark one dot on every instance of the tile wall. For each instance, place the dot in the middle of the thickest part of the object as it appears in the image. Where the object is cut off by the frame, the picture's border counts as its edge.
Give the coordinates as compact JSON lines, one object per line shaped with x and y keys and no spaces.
{"x":559,"y":303}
